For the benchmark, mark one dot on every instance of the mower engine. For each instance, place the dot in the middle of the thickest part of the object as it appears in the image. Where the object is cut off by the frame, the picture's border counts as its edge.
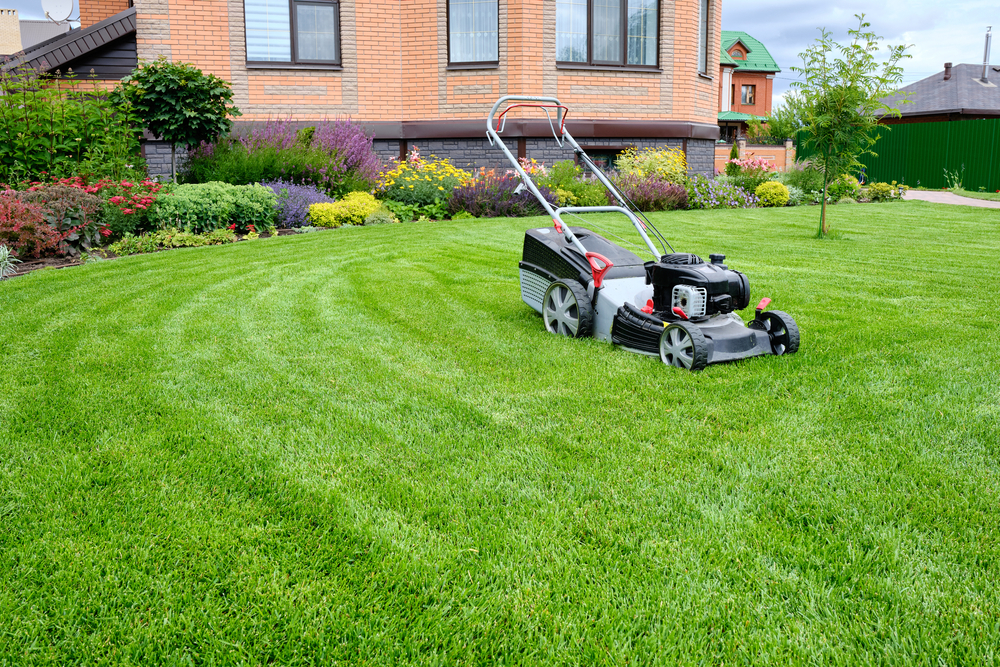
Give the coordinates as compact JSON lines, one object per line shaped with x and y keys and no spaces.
{"x":685,"y":287}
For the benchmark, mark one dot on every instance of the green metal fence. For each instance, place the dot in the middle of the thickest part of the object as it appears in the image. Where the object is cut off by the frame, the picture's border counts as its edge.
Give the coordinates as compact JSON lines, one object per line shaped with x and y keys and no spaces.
{"x":918,"y":153}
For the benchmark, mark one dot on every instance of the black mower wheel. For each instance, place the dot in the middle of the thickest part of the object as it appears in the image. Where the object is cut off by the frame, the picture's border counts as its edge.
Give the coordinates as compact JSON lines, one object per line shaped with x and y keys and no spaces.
{"x":567,"y":310}
{"x":781,"y":329}
{"x":682,"y":344}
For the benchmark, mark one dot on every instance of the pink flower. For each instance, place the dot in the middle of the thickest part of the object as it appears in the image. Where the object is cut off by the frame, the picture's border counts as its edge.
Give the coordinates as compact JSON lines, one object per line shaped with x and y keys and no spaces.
{"x":128,"y":211}
{"x":117,"y":200}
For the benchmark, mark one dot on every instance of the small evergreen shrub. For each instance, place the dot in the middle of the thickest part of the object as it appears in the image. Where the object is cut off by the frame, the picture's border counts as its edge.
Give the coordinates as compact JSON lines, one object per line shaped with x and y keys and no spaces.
{"x":351,"y":210}
{"x":772,"y":193}
{"x":650,"y":193}
{"x":668,"y":164}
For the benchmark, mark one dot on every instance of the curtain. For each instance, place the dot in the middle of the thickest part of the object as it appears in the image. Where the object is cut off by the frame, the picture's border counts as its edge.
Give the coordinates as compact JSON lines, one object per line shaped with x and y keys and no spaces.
{"x":703,"y":38}
{"x":571,"y":31}
{"x":473,"y":30}
{"x":267,"y":30}
{"x":642,"y":32}
{"x":316,"y":32}
{"x":608,"y":30}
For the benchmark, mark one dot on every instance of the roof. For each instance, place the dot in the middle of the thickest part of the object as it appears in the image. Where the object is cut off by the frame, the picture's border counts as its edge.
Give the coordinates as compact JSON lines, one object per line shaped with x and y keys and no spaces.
{"x":35,"y":32}
{"x":736,"y":115}
{"x":758,"y":58}
{"x":61,"y":49}
{"x":963,"y":93}
{"x":726,"y":59}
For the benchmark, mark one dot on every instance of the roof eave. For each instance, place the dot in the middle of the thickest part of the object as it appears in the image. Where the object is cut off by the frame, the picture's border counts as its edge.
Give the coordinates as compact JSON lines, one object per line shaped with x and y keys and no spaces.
{"x":53,"y":54}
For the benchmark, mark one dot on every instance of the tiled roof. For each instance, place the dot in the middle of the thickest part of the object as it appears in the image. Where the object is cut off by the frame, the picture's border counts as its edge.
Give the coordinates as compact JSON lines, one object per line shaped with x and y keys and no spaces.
{"x":736,"y":115}
{"x":962,"y":93}
{"x":726,"y":59}
{"x":758,"y":59}
{"x":56,"y":52}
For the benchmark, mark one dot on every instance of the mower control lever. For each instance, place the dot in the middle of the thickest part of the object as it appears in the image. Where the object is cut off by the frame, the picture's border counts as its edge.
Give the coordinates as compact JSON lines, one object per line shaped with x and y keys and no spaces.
{"x":599,"y":265}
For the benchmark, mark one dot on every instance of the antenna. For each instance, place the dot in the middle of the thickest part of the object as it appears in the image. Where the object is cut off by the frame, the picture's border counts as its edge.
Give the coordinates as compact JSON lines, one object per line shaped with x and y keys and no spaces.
{"x":57,"y":10}
{"x":986,"y":54}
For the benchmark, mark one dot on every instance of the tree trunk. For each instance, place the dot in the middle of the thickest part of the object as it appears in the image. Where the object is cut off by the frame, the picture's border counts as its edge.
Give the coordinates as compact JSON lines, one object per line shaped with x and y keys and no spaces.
{"x":822,"y":212}
{"x":173,"y":162}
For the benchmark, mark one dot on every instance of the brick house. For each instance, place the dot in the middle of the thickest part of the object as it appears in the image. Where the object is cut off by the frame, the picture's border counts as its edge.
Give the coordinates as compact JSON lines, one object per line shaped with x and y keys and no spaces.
{"x":746,"y":80}
{"x":425,"y":72}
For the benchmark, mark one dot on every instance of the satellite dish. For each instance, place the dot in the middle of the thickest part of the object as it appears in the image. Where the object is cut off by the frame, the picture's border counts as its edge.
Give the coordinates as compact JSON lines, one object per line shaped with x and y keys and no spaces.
{"x":57,"y":10}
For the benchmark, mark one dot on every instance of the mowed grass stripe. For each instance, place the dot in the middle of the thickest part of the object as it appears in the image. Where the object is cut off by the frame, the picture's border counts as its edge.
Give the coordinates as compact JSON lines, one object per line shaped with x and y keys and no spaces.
{"x":361,"y":445}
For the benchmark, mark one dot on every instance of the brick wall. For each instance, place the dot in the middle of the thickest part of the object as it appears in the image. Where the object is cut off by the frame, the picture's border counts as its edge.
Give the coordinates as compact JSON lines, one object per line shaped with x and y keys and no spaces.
{"x":10,"y":32}
{"x":783,"y":157}
{"x":95,"y":11}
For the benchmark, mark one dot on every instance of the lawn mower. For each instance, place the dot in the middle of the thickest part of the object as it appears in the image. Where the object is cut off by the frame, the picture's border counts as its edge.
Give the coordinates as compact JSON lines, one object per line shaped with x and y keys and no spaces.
{"x":676,"y":306}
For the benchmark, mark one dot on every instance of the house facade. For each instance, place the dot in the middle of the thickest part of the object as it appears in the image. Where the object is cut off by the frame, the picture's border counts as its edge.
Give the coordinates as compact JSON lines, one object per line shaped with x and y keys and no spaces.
{"x":426,"y":72}
{"x":746,"y":81}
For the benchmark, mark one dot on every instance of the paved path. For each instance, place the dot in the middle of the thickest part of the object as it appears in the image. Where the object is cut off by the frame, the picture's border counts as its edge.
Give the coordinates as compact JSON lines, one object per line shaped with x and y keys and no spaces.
{"x":948,"y":198}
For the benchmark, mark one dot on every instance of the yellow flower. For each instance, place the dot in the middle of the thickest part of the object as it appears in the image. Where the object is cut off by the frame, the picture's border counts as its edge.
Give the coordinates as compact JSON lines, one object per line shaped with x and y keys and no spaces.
{"x":440,"y":188}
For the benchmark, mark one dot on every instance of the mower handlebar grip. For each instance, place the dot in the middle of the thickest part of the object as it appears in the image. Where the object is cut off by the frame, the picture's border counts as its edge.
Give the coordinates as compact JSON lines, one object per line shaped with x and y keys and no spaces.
{"x":521,"y":98}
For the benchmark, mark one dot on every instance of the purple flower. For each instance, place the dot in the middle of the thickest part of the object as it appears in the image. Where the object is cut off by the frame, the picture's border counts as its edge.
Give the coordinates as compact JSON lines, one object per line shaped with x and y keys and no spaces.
{"x":294,"y":200}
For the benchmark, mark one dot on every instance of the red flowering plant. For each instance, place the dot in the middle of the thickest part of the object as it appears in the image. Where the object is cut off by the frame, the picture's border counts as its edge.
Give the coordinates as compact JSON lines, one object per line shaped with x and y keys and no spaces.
{"x":128,"y":205}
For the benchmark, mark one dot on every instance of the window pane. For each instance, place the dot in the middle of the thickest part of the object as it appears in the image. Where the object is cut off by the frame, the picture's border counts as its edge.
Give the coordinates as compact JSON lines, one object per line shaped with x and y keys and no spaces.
{"x":316,"y":32}
{"x":703,"y":38}
{"x":571,"y":31}
{"x":608,"y":30}
{"x":473,"y":30}
{"x":642,"y":32}
{"x":268,"y":31}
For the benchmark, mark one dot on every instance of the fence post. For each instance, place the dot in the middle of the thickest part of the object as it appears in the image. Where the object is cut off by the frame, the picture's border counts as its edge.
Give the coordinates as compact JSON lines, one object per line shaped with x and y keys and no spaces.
{"x":789,"y":154}
{"x":742,"y":143}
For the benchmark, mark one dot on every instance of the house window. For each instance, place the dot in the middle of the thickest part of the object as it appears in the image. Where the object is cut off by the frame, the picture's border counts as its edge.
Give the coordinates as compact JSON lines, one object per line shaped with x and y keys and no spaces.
{"x":748,"y":94}
{"x":737,"y":54}
{"x":293,"y":31}
{"x":473,"y":31}
{"x":732,"y":95}
{"x":703,"y":34}
{"x":607,"y":32}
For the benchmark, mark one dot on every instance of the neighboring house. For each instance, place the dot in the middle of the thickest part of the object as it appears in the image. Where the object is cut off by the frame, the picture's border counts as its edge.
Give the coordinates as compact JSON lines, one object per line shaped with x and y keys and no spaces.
{"x":746,"y":80}
{"x":957,"y":93}
{"x":10,"y":32}
{"x":36,"y":32}
{"x":426,"y":72}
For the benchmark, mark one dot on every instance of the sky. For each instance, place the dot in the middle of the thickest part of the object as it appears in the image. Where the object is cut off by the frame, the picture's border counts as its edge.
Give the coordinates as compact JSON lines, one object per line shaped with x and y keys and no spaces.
{"x":939,"y":31}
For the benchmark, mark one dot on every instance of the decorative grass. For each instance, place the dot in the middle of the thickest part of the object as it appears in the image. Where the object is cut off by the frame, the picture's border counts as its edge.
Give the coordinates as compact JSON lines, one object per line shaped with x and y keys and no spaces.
{"x":361,"y":447}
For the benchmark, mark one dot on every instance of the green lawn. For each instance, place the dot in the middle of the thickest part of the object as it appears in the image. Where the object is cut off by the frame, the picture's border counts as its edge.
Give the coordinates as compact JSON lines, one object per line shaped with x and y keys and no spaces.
{"x":992,"y":196}
{"x":361,"y":446}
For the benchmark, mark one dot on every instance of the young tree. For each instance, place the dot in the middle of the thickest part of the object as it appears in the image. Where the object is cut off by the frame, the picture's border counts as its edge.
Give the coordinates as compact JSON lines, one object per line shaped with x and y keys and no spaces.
{"x":843,"y":88}
{"x":178,"y":103}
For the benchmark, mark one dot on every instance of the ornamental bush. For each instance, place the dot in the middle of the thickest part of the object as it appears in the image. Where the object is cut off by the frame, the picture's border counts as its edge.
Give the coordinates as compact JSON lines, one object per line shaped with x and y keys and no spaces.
{"x":293,"y":202}
{"x":253,"y":206}
{"x":351,"y":210}
{"x":772,"y":193}
{"x":565,"y":181}
{"x":196,"y":207}
{"x":707,"y":193}
{"x":878,"y":192}
{"x":169,"y":238}
{"x":23,"y":228}
{"x":381,"y":216}
{"x":846,"y":186}
{"x":491,"y":195}
{"x":669,"y":164}
{"x":72,"y":212}
{"x":420,"y":182}
{"x":750,"y":172}
{"x":650,"y":193}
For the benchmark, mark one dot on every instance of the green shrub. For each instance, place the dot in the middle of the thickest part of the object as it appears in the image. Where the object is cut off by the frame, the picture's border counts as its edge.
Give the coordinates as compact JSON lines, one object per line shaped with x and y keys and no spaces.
{"x":201,"y":207}
{"x":847,"y":200}
{"x":564,"y":180}
{"x":795,"y":196}
{"x":253,"y":205}
{"x":804,"y":177}
{"x":381,"y":216}
{"x":669,"y":164}
{"x":845,"y":186}
{"x":351,"y":210}
{"x":772,"y":193}
{"x":169,"y":238}
{"x":881,"y":192}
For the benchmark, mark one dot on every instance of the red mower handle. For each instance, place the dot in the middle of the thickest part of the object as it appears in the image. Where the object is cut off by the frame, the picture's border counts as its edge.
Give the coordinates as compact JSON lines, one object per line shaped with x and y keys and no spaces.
{"x":599,"y":265}
{"x":562,"y":123}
